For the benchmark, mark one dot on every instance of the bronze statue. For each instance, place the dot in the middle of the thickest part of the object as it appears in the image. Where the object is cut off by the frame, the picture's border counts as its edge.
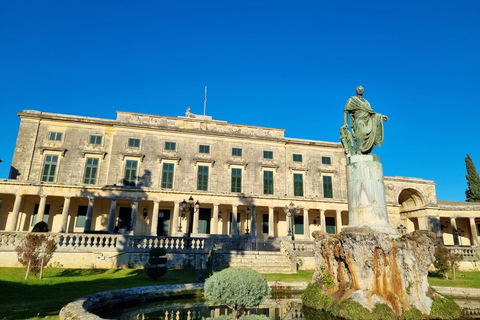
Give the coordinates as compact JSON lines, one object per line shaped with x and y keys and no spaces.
{"x":366,"y":125}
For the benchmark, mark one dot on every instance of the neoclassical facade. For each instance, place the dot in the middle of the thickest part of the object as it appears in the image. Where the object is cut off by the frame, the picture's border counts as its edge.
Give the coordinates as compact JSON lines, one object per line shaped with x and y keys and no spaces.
{"x":173,"y":176}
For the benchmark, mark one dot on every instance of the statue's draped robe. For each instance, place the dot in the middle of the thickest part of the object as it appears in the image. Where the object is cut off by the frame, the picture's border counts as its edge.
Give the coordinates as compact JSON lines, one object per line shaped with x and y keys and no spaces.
{"x":367,"y":126}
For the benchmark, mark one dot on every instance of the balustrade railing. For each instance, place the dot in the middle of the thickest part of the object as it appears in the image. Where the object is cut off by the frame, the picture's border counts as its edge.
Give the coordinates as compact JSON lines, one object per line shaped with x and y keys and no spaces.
{"x":76,"y":242}
{"x":468,"y":253}
{"x":300,"y":247}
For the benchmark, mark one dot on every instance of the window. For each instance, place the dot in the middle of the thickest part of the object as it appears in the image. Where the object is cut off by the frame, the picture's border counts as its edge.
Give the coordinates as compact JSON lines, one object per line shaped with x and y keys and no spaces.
{"x":236,"y":180}
{"x":91,"y":168}
{"x":330,"y":225}
{"x":95,"y":139}
{"x":265,"y":223}
{"x":326,"y":160}
{"x":45,"y":214}
{"x":167,"y":176}
{"x":55,"y":136}
{"x":327,"y":187}
{"x":132,"y":142}
{"x":267,"y":154}
{"x":130,"y":172}
{"x":298,"y":184}
{"x":202,"y":181}
{"x":267,"y":182}
{"x":172,"y":146}
{"x":49,"y":167}
{"x":298,"y":222}
{"x":297,"y":157}
{"x":236,"y":152}
{"x":81,"y":217}
{"x":204,"y":148}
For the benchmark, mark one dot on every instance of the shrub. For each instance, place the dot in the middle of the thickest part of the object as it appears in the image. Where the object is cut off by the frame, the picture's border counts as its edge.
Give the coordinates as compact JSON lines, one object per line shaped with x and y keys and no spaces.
{"x":445,"y":260}
{"x":34,"y":252}
{"x":237,"y":288}
{"x":412,"y":314}
{"x":157,"y":262}
{"x":445,"y":308}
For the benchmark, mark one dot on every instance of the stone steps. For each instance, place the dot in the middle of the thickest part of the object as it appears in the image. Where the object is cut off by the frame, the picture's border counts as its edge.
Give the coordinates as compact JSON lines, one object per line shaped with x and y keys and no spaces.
{"x":263,"y":262}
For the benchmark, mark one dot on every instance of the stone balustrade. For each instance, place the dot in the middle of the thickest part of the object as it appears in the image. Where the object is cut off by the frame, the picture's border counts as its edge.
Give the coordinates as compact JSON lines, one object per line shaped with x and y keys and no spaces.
{"x":468,"y":253}
{"x":79,"y":242}
{"x":300,"y":247}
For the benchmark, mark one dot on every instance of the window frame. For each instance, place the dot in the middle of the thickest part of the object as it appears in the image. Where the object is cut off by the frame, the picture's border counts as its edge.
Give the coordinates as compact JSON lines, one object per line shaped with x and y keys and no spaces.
{"x":204,"y":148}
{"x":49,"y":177}
{"x":270,"y":180}
{"x":95,"y":139}
{"x":86,"y":171}
{"x":236,"y":181}
{"x":203,"y":185}
{"x":128,"y":182}
{"x":132,"y":144}
{"x":297,"y":157}
{"x":169,"y":144}
{"x":237,"y":150}
{"x":327,"y":192}
{"x":55,"y":136}
{"x":298,"y":190}
{"x":267,"y":154}
{"x":167,"y":175}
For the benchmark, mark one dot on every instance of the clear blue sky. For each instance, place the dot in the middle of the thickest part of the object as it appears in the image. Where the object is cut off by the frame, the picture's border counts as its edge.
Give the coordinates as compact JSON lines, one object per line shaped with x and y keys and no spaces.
{"x":284,"y":64}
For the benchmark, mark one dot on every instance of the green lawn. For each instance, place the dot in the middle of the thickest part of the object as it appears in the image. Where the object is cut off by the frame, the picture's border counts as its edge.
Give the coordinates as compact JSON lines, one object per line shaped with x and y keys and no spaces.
{"x":35,"y":299}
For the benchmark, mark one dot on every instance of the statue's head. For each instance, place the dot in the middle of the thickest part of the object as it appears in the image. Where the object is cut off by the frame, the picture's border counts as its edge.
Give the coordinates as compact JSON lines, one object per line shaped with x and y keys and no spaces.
{"x":360,"y":90}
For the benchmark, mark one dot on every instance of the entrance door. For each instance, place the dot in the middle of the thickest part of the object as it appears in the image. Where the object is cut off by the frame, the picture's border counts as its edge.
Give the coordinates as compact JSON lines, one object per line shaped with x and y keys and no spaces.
{"x":163,"y":225}
{"x":330,"y":225}
{"x":299,"y":225}
{"x":204,"y":221}
{"x":125,"y":218}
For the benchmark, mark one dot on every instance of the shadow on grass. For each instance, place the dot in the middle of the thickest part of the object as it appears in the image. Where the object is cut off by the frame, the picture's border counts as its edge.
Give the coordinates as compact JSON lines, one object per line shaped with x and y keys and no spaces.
{"x":435,"y":274}
{"x":22,"y":299}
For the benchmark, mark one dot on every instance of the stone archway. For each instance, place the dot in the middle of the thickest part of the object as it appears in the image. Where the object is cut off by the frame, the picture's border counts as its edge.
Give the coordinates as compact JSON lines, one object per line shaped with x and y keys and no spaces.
{"x":410,"y":200}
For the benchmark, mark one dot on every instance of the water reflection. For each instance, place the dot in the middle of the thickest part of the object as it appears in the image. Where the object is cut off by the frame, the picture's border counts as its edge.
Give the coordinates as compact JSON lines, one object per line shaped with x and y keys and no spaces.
{"x":197,"y":309}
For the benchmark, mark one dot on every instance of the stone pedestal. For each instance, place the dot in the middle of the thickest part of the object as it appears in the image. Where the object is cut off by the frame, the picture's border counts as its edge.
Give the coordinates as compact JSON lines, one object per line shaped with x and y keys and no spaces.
{"x":367,"y":204}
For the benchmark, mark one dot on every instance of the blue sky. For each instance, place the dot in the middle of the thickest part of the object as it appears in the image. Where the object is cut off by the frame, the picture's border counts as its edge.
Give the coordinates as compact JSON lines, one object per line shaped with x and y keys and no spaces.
{"x":283,"y":64}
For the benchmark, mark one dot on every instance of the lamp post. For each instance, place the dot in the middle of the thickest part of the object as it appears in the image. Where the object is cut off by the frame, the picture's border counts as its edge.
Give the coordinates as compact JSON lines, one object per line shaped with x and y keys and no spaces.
{"x":291,"y":211}
{"x":247,"y":230}
{"x":191,"y":207}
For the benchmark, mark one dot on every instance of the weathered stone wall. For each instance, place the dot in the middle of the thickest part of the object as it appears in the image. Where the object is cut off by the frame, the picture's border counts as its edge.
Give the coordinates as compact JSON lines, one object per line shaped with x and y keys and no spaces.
{"x":371,"y":268}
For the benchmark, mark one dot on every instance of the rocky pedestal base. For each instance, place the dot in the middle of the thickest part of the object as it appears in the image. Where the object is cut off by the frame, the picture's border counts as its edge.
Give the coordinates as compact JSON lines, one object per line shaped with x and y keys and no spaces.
{"x":369,"y":267}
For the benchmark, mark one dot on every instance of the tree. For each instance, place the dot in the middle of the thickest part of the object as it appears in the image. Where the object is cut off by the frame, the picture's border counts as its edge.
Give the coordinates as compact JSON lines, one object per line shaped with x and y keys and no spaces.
{"x":157,"y":263}
{"x":237,"y":288}
{"x":473,"y":181}
{"x":446,"y":260}
{"x":34,"y":252}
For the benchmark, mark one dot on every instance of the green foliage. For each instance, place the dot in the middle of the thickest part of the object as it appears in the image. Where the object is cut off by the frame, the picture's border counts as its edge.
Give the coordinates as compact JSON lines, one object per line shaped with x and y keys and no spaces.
{"x":473,"y":181}
{"x":445,"y":261}
{"x":445,"y":308}
{"x":34,"y":252}
{"x":157,"y":261}
{"x":412,"y":314}
{"x":323,"y":279}
{"x":237,"y":288}
{"x":244,"y":317}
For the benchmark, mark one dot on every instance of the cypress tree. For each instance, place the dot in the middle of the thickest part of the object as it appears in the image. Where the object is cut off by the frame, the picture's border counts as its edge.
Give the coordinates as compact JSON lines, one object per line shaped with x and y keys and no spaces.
{"x":473,"y":181}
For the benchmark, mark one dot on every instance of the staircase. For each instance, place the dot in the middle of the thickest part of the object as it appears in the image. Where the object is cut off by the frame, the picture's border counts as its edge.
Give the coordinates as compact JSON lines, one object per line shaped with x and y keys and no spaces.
{"x":261,"y":261}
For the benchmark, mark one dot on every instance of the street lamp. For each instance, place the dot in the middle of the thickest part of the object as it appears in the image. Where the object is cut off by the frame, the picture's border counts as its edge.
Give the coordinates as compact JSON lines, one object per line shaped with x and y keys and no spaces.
{"x":190,"y":208}
{"x":247,"y":230}
{"x":291,"y":211}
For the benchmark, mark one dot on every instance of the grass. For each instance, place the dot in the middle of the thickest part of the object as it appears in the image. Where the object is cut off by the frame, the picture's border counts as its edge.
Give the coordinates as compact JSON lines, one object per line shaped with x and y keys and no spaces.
{"x":38,"y":299}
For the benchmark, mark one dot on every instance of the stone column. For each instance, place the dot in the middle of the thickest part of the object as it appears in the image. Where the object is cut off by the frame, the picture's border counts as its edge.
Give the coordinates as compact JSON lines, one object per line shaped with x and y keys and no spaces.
{"x":196,"y":216}
{"x":88,"y":218}
{"x":214,"y":226}
{"x":65,"y":210}
{"x":271,"y":221}
{"x":111,"y":215}
{"x":253,"y":222}
{"x":154,"y":221}
{"x":338,"y":221}
{"x":323,"y":227}
{"x":13,"y":220}
{"x":176,"y":215}
{"x":234,"y":220}
{"x":134,"y":217}
{"x":41,"y":209}
{"x":473,"y":232}
{"x":453,"y":222}
{"x":306,"y":224}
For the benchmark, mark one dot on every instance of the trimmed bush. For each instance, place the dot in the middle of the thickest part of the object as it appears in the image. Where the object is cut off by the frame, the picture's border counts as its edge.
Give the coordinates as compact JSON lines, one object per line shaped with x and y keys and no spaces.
{"x":157,"y":261}
{"x":237,"y":288}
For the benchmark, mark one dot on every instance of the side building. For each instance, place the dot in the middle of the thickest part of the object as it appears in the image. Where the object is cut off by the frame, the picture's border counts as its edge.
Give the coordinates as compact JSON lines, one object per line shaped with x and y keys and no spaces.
{"x":193,"y":176}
